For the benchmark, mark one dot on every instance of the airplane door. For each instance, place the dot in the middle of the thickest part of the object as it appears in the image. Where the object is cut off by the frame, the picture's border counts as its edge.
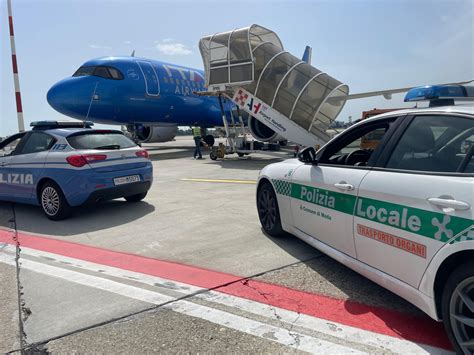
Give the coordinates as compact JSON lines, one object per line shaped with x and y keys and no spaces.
{"x":152,"y":85}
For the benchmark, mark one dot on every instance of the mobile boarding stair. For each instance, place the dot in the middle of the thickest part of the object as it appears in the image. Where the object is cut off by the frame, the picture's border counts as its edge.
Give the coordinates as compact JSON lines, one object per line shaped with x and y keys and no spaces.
{"x":250,"y":67}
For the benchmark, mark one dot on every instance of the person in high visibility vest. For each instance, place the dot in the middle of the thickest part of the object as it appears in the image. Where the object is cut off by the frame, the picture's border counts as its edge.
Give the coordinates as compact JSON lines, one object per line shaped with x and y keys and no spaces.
{"x":197,"y":140}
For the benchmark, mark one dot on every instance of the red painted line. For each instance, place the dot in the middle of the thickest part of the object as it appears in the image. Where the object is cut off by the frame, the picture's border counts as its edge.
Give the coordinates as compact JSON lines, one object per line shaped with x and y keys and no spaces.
{"x":375,"y":319}
{"x":15,"y":65}
{"x":10,"y":22}
{"x":19,"y":108}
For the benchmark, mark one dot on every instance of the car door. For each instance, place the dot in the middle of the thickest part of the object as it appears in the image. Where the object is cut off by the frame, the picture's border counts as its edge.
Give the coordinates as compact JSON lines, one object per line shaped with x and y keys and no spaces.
{"x":27,"y":164}
{"x":7,"y":150}
{"x":418,"y":197}
{"x":324,"y":195}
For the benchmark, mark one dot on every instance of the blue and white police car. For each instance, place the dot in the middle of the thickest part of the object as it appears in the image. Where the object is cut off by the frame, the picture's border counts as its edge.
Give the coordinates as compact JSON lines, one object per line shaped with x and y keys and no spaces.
{"x":400,"y":212}
{"x":59,"y":165}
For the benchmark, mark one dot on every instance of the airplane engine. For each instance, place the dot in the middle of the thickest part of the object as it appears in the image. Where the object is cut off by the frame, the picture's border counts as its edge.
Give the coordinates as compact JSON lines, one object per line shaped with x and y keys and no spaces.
{"x":156,"y":134}
{"x":262,"y":132}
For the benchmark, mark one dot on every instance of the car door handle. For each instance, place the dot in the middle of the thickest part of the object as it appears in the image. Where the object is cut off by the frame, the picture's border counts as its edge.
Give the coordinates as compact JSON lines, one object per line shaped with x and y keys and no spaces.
{"x":344,"y":186}
{"x":449,"y":203}
{"x":3,"y":164}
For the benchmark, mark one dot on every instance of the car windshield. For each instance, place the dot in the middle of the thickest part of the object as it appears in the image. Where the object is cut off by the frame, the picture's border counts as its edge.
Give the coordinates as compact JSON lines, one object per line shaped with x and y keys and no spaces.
{"x":100,"y":140}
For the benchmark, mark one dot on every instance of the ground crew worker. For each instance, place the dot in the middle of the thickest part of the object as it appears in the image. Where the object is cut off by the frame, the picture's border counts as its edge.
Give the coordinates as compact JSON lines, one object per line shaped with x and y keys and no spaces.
{"x":197,"y":140}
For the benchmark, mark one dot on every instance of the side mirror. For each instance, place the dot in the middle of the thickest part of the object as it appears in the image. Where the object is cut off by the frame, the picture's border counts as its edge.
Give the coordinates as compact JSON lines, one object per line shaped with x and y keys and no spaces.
{"x":308,"y":155}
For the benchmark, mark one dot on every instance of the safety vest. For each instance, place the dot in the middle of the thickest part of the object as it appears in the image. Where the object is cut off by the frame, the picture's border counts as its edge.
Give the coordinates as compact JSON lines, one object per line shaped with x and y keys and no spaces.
{"x":196,"y":131}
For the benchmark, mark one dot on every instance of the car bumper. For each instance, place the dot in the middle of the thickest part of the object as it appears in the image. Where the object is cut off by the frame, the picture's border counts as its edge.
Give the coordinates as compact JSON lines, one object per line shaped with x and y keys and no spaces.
{"x":118,"y":191}
{"x":88,"y":185}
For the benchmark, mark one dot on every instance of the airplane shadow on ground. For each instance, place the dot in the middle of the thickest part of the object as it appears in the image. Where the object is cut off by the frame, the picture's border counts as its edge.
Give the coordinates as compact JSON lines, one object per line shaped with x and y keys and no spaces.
{"x":245,"y":163}
{"x":229,"y":162}
{"x":88,"y":219}
{"x":358,"y":290}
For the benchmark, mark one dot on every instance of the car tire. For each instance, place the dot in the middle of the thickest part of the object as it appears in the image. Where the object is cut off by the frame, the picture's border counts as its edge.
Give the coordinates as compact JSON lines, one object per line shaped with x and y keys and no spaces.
{"x":136,"y":198}
{"x":53,"y":202}
{"x":268,"y":211}
{"x":458,"y":308}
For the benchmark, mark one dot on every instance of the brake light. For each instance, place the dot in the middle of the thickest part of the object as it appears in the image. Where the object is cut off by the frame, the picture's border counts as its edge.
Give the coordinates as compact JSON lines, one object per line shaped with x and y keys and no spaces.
{"x":80,"y":160}
{"x":90,"y":158}
{"x":76,"y":160}
{"x":142,"y":154}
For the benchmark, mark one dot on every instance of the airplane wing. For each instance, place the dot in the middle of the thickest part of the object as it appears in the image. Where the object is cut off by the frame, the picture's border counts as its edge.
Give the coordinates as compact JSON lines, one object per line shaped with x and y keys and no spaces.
{"x":387,"y":94}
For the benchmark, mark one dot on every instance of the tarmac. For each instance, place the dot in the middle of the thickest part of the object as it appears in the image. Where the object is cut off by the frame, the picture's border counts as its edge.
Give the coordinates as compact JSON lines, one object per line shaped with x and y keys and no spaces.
{"x":189,"y":270}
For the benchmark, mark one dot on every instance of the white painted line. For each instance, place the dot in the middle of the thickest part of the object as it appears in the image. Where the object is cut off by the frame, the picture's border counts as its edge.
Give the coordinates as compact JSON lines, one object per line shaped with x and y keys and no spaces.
{"x":343,"y":332}
{"x":252,"y":327}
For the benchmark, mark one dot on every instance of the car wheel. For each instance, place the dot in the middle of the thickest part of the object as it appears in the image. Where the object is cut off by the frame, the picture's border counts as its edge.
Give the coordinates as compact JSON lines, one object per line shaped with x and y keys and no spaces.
{"x":268,"y":212}
{"x":53,"y":202}
{"x":241,"y":155}
{"x":136,"y":198}
{"x":458,"y":308}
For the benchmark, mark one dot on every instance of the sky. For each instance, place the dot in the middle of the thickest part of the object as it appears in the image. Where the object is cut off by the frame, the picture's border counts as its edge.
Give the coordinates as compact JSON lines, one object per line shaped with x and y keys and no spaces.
{"x":367,"y":44}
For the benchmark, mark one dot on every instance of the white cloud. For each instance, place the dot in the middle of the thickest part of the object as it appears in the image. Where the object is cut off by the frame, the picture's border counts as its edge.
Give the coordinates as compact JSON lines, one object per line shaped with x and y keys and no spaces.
{"x":173,"y":48}
{"x":168,"y":40}
{"x":96,"y":46}
{"x":127,"y":42}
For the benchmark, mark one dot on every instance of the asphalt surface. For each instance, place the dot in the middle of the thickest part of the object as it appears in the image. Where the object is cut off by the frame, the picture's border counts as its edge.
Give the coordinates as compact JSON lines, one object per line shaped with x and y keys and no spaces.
{"x":211,"y":225}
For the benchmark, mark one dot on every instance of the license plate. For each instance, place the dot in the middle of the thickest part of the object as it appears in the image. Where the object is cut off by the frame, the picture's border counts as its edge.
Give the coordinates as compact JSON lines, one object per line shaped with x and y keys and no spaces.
{"x":126,"y":179}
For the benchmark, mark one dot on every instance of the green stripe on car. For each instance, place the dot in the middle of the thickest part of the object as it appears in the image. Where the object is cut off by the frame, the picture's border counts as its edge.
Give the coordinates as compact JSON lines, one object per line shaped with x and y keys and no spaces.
{"x":426,"y":223}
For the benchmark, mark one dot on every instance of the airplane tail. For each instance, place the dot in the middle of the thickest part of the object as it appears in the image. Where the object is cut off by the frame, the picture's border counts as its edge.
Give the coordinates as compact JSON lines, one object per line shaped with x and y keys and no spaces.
{"x":308,"y":51}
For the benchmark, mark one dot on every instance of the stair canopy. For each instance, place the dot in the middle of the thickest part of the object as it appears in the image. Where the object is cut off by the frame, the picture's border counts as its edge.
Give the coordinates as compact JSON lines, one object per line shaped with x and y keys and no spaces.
{"x":253,"y":58}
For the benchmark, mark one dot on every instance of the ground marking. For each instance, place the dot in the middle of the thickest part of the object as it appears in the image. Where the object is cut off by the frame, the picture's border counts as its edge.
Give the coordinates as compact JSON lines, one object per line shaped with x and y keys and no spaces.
{"x":242,"y":324}
{"x":250,"y":182}
{"x":290,"y":318}
{"x":349,"y":313}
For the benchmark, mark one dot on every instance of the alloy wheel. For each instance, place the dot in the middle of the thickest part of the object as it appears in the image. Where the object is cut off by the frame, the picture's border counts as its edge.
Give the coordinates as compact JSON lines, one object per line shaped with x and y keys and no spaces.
{"x":461,"y":310}
{"x":267,"y":209}
{"x":50,"y":201}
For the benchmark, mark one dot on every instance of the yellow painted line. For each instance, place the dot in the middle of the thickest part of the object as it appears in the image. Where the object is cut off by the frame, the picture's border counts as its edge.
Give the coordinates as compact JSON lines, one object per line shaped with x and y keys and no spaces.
{"x":253,"y":182}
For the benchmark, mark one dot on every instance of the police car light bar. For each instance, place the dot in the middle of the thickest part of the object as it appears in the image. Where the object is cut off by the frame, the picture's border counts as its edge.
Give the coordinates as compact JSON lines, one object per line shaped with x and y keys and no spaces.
{"x":60,"y":124}
{"x":441,"y":94}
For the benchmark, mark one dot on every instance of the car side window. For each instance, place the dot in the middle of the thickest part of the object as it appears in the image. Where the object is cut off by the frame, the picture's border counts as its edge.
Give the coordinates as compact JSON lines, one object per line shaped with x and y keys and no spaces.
{"x":8,"y":146}
{"x":435,"y":143}
{"x":355,"y":148}
{"x":37,"y":142}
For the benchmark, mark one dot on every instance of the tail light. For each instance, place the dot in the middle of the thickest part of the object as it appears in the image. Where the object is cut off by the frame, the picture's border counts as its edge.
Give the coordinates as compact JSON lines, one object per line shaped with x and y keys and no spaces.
{"x":80,"y":160}
{"x":143,"y":154}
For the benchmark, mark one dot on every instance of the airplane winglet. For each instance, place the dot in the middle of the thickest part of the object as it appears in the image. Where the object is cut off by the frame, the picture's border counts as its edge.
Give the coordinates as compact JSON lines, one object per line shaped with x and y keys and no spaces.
{"x":308,"y":51}
{"x":133,"y":53}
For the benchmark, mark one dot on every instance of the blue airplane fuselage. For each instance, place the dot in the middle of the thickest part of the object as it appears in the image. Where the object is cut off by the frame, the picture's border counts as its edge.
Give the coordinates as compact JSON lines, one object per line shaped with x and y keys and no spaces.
{"x":136,"y":91}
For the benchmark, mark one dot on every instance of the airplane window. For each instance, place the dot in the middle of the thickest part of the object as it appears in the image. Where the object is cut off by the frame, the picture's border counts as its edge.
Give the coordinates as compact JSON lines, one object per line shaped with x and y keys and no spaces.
{"x":102,"y":72}
{"x":83,"y":71}
{"x":116,"y":74}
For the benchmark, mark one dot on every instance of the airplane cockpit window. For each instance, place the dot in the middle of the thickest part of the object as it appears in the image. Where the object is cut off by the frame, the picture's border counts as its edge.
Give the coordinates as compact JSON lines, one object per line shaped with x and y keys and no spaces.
{"x":84,"y":71}
{"x":115,"y":73}
{"x":100,"y":71}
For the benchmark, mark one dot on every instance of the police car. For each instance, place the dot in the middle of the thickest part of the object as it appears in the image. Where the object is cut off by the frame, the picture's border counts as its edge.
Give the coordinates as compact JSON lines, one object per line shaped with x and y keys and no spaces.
{"x":59,"y":165}
{"x":400,"y":213}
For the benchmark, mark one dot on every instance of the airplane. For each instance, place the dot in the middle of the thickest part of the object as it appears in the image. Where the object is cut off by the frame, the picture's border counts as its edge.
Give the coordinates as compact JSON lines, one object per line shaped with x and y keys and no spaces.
{"x":151,"y":98}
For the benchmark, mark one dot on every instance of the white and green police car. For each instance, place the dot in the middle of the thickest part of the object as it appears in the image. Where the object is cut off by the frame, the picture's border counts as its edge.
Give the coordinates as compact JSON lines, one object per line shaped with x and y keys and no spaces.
{"x":400,"y":213}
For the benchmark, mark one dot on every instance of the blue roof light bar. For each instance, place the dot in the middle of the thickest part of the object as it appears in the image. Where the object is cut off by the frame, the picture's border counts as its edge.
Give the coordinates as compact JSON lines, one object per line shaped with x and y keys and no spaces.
{"x":60,"y":124}
{"x":438,"y":92}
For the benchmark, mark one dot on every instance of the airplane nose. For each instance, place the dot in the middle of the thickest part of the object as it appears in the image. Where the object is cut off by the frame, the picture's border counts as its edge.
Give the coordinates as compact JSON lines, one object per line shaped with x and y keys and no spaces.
{"x":58,"y":97}
{"x":70,"y":97}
